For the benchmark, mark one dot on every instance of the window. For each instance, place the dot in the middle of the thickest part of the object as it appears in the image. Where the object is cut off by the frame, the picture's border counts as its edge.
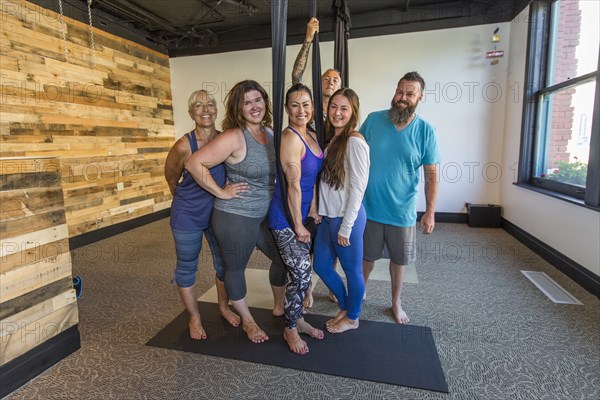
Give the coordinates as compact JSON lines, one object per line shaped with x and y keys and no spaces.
{"x":560,"y":144}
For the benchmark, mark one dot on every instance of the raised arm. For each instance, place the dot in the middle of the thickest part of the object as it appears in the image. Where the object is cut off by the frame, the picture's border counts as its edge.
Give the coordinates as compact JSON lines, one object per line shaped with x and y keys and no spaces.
{"x":174,"y":162}
{"x":431,"y":191}
{"x":228,"y":146}
{"x":312,"y":27}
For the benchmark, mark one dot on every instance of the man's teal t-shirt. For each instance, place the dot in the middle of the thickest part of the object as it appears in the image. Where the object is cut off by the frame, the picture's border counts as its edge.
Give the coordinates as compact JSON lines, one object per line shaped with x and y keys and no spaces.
{"x":396,"y":160}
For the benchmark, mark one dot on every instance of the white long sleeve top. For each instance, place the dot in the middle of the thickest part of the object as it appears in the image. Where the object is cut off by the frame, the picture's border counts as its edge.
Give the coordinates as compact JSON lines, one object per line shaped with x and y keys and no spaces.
{"x":346,"y":201}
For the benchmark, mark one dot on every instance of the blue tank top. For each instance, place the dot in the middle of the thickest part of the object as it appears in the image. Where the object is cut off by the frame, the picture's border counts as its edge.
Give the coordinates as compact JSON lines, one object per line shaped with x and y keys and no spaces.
{"x":191,"y":208}
{"x":311,"y":166}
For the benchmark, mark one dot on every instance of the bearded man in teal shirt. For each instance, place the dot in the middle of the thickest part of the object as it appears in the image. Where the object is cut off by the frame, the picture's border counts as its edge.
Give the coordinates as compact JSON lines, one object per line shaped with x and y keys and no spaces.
{"x":400,"y":143}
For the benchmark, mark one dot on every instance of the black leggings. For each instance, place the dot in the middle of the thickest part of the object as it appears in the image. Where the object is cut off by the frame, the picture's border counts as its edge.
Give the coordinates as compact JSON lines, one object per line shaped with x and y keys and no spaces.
{"x":237,"y":236}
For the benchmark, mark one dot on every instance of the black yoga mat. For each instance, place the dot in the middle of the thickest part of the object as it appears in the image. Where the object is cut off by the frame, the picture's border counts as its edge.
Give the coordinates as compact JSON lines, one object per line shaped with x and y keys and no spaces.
{"x":402,"y":355}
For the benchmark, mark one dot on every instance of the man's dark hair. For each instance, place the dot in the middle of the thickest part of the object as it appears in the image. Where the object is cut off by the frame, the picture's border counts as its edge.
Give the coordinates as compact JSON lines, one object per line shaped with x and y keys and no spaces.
{"x":414,"y":77}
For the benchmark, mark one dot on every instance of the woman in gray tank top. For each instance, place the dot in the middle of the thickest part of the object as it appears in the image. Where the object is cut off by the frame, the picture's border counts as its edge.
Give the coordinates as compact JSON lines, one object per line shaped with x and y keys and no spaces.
{"x":240,"y":209}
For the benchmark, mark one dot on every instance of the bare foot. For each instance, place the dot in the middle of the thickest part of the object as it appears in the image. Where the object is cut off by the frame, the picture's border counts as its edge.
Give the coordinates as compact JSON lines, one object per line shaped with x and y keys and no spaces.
{"x":308,"y":300}
{"x":230,"y":316}
{"x":331,"y":297}
{"x":399,"y":314}
{"x":278,"y":311}
{"x":335,"y":319}
{"x":278,"y":300}
{"x":255,"y":334}
{"x":294,"y":341}
{"x":343,"y":325}
{"x":196,"y":329}
{"x":308,"y":329}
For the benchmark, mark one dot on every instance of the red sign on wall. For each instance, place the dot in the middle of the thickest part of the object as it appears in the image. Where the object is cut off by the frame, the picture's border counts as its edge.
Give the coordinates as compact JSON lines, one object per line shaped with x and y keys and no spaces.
{"x":494,"y":54}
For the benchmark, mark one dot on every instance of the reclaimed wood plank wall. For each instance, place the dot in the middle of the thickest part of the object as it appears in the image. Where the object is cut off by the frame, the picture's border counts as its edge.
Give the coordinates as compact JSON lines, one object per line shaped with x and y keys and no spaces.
{"x":106,"y":113}
{"x":37,"y":299}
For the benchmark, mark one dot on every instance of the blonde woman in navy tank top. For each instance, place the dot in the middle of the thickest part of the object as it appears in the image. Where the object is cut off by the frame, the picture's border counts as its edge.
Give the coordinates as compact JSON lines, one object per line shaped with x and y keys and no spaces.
{"x":240,"y":210}
{"x":191,"y":212}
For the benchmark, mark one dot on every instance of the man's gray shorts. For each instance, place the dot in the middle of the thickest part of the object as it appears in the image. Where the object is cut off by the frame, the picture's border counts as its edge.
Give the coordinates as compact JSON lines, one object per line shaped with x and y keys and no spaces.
{"x":401,"y":242}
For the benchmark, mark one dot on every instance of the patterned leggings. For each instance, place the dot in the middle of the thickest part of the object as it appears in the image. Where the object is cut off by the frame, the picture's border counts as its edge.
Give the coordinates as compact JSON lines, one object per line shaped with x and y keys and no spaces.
{"x":296,"y":258}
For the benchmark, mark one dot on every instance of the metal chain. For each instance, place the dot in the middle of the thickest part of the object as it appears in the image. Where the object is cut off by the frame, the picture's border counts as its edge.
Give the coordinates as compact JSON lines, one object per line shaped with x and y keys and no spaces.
{"x":92,"y":44}
{"x":64,"y":30}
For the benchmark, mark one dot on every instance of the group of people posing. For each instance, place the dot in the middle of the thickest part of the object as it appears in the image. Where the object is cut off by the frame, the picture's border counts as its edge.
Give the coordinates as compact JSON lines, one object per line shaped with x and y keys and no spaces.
{"x":360,"y":191}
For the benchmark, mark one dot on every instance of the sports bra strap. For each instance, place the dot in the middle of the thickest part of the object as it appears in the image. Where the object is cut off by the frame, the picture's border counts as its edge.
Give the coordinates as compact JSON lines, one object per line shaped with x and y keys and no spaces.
{"x":303,"y":141}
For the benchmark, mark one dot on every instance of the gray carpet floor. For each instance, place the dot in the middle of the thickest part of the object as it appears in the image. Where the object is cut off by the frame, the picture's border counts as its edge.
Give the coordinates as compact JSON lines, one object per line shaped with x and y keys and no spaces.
{"x":497,"y":335}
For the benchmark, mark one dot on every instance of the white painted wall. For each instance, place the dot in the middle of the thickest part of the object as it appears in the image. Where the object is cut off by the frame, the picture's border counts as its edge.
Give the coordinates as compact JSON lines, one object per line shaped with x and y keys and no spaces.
{"x":572,"y":230}
{"x":217,"y":73}
{"x":476,"y":108}
{"x":463,"y":100}
{"x":464,"y":97}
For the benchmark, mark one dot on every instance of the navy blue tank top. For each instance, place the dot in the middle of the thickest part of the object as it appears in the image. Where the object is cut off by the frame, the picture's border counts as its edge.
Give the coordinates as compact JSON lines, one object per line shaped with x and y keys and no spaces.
{"x":192,"y":206}
{"x":311,"y":166}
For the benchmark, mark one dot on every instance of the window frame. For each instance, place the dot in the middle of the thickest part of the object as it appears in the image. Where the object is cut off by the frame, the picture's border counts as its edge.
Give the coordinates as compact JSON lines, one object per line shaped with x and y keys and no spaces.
{"x":538,"y":43}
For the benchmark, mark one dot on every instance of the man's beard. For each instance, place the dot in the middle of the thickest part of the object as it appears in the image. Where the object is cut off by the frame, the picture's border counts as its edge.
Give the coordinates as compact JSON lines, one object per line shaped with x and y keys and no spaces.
{"x":400,"y":116}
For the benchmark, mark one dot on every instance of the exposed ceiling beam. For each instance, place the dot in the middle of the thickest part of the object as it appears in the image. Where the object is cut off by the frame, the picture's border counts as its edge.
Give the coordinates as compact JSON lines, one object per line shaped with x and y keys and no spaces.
{"x":128,"y":8}
{"x":220,"y":30}
{"x":366,"y":24}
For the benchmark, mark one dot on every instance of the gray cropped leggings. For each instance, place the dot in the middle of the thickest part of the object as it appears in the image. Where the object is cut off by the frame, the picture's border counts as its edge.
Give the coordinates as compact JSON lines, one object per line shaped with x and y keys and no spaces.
{"x":237,"y":237}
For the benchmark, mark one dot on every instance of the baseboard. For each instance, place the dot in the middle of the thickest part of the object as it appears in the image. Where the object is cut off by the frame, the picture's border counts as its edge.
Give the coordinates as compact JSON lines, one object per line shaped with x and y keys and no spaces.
{"x":22,"y":369}
{"x":104,"y":233}
{"x":447,"y":217}
{"x":586,"y":278}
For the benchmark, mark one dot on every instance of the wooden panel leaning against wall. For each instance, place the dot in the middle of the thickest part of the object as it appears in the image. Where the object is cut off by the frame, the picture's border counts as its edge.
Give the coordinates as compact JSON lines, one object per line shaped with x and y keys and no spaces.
{"x":37,"y":299}
{"x":105,"y":112}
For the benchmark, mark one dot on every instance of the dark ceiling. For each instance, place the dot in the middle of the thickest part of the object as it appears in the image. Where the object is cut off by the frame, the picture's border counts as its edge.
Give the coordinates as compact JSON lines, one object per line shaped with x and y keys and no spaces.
{"x":193,"y":27}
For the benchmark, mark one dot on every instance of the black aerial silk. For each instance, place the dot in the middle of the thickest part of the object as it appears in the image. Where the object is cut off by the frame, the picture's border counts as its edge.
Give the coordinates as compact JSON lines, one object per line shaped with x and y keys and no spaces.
{"x":316,"y":81}
{"x":278,"y":47}
{"x":278,"y":43}
{"x":342,"y":31}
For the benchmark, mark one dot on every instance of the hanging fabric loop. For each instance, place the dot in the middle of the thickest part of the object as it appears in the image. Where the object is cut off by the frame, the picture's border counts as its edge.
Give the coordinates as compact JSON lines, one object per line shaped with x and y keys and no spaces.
{"x":342,"y":32}
{"x":278,"y":43}
{"x":316,"y":82}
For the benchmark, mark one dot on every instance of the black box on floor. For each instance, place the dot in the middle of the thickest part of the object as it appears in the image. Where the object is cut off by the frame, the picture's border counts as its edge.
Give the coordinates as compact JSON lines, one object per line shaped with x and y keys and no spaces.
{"x":484,"y":215}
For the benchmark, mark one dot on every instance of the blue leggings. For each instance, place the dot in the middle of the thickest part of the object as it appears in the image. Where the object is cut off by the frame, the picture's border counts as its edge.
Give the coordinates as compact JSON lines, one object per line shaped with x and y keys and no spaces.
{"x":326,"y":251}
{"x":187,"y":248}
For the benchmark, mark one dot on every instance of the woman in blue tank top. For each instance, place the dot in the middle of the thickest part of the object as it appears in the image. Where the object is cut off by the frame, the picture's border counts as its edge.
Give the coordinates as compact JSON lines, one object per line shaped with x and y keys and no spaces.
{"x":191,"y":212}
{"x":240,"y":210}
{"x":301,"y":159}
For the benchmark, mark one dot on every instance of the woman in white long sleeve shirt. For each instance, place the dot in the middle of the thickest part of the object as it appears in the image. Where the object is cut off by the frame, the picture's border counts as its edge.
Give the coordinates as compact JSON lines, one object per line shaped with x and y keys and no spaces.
{"x":340,"y":234}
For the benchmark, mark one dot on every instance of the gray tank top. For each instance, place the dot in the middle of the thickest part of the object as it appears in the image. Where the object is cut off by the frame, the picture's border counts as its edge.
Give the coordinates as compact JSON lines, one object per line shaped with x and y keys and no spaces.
{"x":258,"y":170}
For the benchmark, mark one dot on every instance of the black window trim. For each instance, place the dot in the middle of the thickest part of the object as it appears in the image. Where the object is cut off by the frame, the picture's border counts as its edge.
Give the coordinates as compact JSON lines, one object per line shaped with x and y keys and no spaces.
{"x":535,"y":78}
{"x":566,"y":84}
